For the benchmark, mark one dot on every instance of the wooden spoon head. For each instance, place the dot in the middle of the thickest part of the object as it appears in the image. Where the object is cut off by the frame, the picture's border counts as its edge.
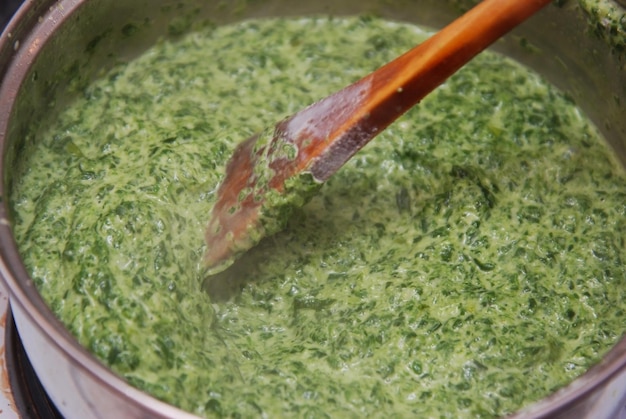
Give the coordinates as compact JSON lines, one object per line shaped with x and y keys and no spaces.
{"x":235,"y":212}
{"x":264,"y":182}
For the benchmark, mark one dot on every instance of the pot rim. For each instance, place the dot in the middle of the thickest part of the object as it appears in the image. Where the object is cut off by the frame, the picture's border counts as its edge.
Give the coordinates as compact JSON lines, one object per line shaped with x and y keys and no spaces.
{"x":31,"y":33}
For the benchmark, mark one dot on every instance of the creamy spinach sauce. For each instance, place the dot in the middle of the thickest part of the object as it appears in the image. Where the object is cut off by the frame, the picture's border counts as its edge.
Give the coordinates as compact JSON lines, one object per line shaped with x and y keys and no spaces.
{"x":607,"y":20}
{"x":469,"y":261}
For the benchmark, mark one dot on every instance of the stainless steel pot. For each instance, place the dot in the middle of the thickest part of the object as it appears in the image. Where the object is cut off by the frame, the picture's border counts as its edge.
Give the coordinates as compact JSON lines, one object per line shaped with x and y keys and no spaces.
{"x":52,"y":49}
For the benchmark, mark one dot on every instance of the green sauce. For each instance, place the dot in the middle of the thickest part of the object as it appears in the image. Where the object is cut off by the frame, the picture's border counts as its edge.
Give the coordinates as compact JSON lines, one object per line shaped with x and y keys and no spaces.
{"x":474,"y":247}
{"x":607,"y":20}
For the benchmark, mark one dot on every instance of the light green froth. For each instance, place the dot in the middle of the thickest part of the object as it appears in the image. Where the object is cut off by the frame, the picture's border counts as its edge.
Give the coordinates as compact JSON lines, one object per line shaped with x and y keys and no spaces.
{"x":473,"y":248}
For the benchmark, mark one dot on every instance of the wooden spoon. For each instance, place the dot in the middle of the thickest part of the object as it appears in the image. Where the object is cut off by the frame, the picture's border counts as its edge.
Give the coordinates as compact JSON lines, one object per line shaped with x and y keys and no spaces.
{"x":305,"y":149}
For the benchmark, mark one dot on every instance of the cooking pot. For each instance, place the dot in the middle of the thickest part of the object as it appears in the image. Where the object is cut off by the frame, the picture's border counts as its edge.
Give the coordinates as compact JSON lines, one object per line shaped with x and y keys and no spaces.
{"x":51,"y":50}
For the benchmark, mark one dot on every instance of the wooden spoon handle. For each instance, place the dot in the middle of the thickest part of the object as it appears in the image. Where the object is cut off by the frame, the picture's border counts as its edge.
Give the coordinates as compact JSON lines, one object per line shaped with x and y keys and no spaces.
{"x":331,"y":131}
